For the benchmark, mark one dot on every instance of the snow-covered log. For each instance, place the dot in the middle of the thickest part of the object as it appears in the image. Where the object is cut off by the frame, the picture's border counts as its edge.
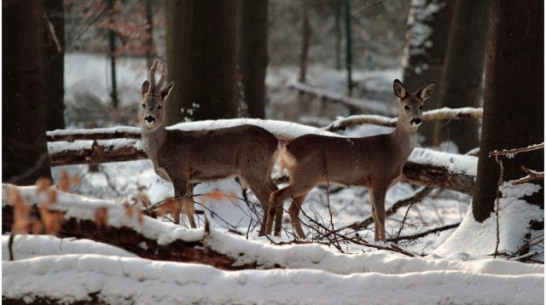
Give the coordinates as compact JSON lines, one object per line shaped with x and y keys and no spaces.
{"x":119,"y":226}
{"x":55,"y":271}
{"x":432,"y":115}
{"x":101,"y":279}
{"x":424,"y":167}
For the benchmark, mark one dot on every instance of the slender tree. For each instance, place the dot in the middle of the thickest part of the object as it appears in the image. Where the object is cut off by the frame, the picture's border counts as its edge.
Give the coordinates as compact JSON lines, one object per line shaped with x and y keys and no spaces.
{"x":202,"y":59}
{"x":24,"y":150}
{"x":461,"y":82}
{"x":514,"y":97}
{"x":253,"y":55}
{"x":54,"y":64}
{"x":429,"y":24}
{"x":305,"y":38}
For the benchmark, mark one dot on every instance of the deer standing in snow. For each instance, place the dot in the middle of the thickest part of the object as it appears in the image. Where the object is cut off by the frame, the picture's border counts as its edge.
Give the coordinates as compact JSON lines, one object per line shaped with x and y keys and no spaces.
{"x":188,"y":157}
{"x":374,"y":162}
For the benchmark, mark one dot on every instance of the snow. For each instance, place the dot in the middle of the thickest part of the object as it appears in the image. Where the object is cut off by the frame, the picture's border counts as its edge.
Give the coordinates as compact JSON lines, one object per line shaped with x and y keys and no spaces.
{"x":122,"y":280}
{"x":457,"y":164}
{"x":310,"y":274}
{"x":479,"y":239}
{"x":456,"y":266}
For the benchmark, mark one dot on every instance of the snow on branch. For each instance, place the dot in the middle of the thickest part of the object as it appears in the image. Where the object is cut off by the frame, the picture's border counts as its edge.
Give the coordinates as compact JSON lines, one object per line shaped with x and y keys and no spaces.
{"x":531,"y":174}
{"x":437,"y":114}
{"x":424,"y":167}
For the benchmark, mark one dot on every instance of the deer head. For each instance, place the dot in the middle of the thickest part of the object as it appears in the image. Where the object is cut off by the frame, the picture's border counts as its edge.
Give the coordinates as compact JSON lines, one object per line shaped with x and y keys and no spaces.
{"x":410,"y":106}
{"x":152,"y":113}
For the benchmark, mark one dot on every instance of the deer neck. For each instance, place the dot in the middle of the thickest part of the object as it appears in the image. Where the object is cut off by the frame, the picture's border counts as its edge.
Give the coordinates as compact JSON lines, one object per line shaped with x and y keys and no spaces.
{"x":152,"y":141}
{"x":404,"y":139}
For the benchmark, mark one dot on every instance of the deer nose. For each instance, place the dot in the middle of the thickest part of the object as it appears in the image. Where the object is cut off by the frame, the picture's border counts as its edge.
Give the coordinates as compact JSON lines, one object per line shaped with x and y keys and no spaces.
{"x":416,"y":122}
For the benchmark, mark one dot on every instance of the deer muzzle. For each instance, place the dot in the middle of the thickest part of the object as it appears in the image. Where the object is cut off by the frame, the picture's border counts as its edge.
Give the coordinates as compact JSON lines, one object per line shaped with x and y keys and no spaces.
{"x":149,"y":120}
{"x":416,"y":122}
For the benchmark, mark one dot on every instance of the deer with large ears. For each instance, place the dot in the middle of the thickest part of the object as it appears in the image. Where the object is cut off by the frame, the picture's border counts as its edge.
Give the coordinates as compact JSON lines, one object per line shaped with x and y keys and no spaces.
{"x":373,"y":162}
{"x":188,"y":157}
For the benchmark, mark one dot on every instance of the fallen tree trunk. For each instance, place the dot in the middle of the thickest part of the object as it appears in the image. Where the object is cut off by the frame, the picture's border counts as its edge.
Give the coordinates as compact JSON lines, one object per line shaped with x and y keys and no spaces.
{"x":124,"y":233}
{"x":438,"y":177}
{"x":99,"y":150}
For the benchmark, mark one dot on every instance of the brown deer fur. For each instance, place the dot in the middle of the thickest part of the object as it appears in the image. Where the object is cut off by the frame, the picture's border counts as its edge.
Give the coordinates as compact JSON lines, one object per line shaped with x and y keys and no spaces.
{"x":374,"y":162}
{"x":188,"y":157}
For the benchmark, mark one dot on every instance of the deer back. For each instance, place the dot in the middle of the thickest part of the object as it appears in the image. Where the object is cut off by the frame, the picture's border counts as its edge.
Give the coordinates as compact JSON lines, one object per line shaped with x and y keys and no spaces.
{"x":218,"y":153}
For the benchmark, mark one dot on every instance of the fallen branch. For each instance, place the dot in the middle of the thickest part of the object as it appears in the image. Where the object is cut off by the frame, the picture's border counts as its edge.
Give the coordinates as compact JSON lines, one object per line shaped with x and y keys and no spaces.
{"x":438,"y":177}
{"x":99,"y":150}
{"x":416,"y":197}
{"x":514,"y":151}
{"x":531,"y":175}
{"x":438,"y":114}
{"x":423,"y":234}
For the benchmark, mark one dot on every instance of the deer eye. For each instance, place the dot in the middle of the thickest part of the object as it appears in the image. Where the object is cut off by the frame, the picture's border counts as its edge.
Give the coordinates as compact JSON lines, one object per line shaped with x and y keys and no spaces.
{"x":143,"y":105}
{"x":420,"y":107}
{"x":158,"y":107}
{"x":407,"y":107}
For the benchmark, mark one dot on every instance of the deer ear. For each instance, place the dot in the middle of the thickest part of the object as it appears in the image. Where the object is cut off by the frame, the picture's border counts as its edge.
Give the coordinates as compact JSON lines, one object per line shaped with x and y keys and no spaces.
{"x":165,"y":91}
{"x":145,"y":87}
{"x":426,"y":91}
{"x":399,"y":89}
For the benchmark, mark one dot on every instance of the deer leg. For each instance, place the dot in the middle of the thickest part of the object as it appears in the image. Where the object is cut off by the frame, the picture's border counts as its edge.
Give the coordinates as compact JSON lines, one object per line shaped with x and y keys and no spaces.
{"x":187,"y":203}
{"x":277,"y":198}
{"x":181,"y":188}
{"x":377,"y":196}
{"x":262,"y":192}
{"x":294,"y":211}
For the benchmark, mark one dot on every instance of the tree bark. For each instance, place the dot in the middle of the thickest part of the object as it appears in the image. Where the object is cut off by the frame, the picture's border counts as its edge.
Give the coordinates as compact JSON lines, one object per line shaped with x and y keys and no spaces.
{"x":54,"y":46}
{"x":202,"y":59}
{"x":514,"y":97}
{"x":24,"y":150}
{"x":127,"y":238}
{"x":424,"y":52}
{"x":305,"y":37}
{"x":253,"y":55}
{"x":461,"y":82}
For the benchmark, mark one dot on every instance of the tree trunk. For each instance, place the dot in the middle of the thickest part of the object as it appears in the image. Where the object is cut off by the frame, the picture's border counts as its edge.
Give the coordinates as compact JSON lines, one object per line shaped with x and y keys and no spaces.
{"x":305,"y":37}
{"x":424,"y":52}
{"x":150,"y":50}
{"x":461,"y":82}
{"x":514,"y":97}
{"x":24,"y":150}
{"x":54,"y":47}
{"x":253,"y":55}
{"x":202,"y":59}
{"x":348,"y":48}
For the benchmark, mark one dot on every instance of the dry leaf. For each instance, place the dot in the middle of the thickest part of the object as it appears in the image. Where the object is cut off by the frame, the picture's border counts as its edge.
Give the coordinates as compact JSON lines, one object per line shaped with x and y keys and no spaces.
{"x":140,"y":216}
{"x":143,"y":198}
{"x":43,"y":184}
{"x":101,"y":217}
{"x":52,"y":221}
{"x":168,"y":207}
{"x":75,"y":180}
{"x":64,"y":181}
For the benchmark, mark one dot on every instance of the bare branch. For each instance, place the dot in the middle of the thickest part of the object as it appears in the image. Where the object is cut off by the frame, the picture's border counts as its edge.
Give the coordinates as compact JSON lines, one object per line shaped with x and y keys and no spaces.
{"x":514,"y":151}
{"x":438,"y":114}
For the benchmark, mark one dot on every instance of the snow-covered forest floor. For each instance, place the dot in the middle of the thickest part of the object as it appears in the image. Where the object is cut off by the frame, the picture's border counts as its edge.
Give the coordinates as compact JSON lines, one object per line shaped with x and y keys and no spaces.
{"x":453,"y":266}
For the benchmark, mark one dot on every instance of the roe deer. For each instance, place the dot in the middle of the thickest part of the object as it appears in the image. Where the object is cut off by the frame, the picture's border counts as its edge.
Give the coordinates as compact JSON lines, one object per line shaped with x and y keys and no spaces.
{"x":188,"y":157}
{"x":374,"y":162}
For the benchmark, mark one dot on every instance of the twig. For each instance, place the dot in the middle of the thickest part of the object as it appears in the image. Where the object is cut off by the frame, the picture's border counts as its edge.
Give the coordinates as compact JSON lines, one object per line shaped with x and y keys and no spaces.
{"x":423,"y":234}
{"x":417,"y":196}
{"x":531,"y":175}
{"x":499,"y":183}
{"x":404,"y":220}
{"x":515,"y":151}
